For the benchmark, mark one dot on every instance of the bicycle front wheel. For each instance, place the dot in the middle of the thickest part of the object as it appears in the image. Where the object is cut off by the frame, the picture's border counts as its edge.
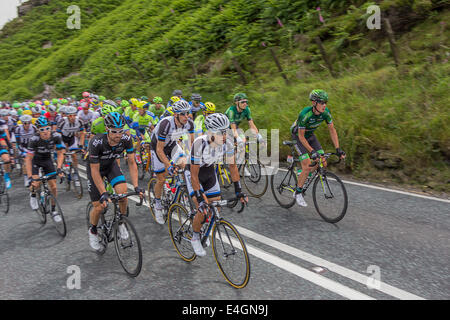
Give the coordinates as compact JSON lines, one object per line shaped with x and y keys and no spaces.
{"x":59,"y":225}
{"x":330,"y":197}
{"x":180,"y":231}
{"x":128,"y":246}
{"x":255,"y":179}
{"x":283,"y":187}
{"x":230,"y":254}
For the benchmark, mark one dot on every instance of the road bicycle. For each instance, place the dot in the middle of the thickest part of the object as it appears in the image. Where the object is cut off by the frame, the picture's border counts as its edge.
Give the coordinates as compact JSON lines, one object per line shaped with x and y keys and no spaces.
{"x":128,"y":246}
{"x":230,"y":251}
{"x":328,"y":191}
{"x":4,"y":196}
{"x":174,"y":190}
{"x":73,"y":180}
{"x":145,"y":164}
{"x":45,"y":200}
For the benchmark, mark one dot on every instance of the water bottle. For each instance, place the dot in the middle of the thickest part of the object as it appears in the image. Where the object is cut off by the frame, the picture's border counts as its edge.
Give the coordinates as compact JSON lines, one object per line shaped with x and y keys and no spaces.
{"x":42,"y":196}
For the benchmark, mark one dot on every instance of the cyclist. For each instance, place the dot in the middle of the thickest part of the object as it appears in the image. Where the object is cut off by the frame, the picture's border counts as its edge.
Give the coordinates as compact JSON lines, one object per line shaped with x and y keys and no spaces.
{"x":131,"y":110}
{"x":141,"y":121}
{"x":24,"y":132}
{"x":165,"y":150}
{"x":5,"y":146}
{"x":176,"y":96}
{"x":104,"y":149}
{"x":199,"y":122}
{"x":52,"y":116}
{"x":87,"y":116}
{"x":238,"y":112}
{"x":39,"y":150}
{"x":98,"y":125}
{"x":302,"y":131}
{"x":196,"y":104}
{"x":157,"y":107}
{"x":201,"y":177}
{"x":72,"y":131}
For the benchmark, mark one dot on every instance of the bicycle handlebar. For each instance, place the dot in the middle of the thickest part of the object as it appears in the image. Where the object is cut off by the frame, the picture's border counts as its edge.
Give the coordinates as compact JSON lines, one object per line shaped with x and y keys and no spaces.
{"x":326,"y":156}
{"x":117,"y":197}
{"x":223,"y":203}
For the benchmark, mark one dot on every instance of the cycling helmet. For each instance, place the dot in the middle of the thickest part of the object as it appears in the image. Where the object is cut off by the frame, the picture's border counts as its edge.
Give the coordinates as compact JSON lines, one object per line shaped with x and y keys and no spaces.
{"x":177,"y":93}
{"x":4,"y":112}
{"x":110,"y":102}
{"x":210,"y":107}
{"x":114,"y":120}
{"x":240,"y":96}
{"x":196,"y":97}
{"x":55,"y":101}
{"x":71,"y":110}
{"x":63,"y":109}
{"x":144,"y":98}
{"x":86,"y":94}
{"x":107,"y":109}
{"x":217,"y":122}
{"x":28,"y":112}
{"x":16,"y":105}
{"x":12,"y":112}
{"x":318,"y":95}
{"x":41,"y":122}
{"x":36,"y":109}
{"x":124,"y":104}
{"x":157,"y":100}
{"x":32,"y":104}
{"x":118,"y":99}
{"x":175,"y":99}
{"x":46,"y":102}
{"x":25,"y":118}
{"x":134,"y":101}
{"x":51,"y":108}
{"x":181,"y":106}
{"x":64,"y":101}
{"x":101,"y":98}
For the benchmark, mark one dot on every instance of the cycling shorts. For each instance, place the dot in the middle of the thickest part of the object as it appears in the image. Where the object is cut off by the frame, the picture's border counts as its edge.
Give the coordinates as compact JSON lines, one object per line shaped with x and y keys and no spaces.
{"x":114,"y":175}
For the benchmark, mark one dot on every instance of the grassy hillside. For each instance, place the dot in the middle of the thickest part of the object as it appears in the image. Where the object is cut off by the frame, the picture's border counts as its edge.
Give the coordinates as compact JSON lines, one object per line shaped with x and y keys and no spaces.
{"x":392,"y":121}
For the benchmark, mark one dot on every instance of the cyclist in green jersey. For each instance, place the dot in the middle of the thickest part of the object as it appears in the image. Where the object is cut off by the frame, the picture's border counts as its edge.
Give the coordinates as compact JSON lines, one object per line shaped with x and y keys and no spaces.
{"x":302,"y":131}
{"x":199,"y":122}
{"x":238,"y":112}
{"x":141,"y":121}
{"x":157,"y":107}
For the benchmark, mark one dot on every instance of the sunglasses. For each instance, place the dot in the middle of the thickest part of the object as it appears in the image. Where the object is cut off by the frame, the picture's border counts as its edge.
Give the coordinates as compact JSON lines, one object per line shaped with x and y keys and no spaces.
{"x":321,"y":102}
{"x":184,"y":114}
{"x":243,"y":101}
{"x":119,"y":131}
{"x":26,"y":123}
{"x":45,"y":129}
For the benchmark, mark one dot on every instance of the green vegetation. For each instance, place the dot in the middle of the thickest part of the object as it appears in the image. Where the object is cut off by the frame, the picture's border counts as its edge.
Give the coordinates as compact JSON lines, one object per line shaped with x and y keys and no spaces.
{"x":392,"y":122}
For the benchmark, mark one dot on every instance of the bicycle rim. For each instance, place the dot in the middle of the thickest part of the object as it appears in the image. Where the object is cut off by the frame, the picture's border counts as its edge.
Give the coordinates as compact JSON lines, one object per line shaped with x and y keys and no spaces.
{"x":129,"y":249}
{"x":330,"y":197}
{"x":78,"y":190}
{"x":231,"y":254}
{"x":180,"y":231}
{"x":255,"y":179}
{"x":60,"y":226}
{"x":283,"y":188}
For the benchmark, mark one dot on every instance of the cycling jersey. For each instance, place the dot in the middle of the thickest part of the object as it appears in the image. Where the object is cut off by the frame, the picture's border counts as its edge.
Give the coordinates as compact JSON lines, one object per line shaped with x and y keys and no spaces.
{"x":204,"y":155}
{"x":195,"y":109}
{"x":169,"y":133}
{"x":236,"y":117}
{"x":88,"y":117}
{"x":23,"y":136}
{"x":98,"y":126}
{"x":69,"y":129}
{"x":309,"y":121}
{"x":199,"y":124}
{"x":101,"y":152}
{"x":53,"y":119}
{"x":43,"y":149}
{"x":157,"y":112}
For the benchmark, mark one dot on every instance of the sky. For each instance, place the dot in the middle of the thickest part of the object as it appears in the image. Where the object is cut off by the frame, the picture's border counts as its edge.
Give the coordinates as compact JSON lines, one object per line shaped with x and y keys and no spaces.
{"x":8,"y":10}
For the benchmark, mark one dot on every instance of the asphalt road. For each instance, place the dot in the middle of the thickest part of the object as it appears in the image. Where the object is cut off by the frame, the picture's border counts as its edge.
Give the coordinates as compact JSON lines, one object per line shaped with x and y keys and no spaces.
{"x":388,"y":246}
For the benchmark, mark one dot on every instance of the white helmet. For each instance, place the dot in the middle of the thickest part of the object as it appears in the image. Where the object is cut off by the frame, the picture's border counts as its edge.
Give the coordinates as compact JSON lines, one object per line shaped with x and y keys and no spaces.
{"x":26,"y":118}
{"x":217,"y":122}
{"x":181,"y":106}
{"x":36,"y":109}
{"x":4,"y":112}
{"x":71,"y":110}
{"x":13,"y":112}
{"x":51,"y":108}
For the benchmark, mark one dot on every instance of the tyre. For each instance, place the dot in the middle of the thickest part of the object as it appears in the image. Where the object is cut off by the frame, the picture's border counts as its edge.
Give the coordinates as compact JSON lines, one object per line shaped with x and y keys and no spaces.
{"x":128,"y":247}
{"x":330,"y":197}
{"x":78,"y":190}
{"x":230,"y":254}
{"x":60,"y":226}
{"x":255,"y":179}
{"x":283,"y":186}
{"x":180,"y":231}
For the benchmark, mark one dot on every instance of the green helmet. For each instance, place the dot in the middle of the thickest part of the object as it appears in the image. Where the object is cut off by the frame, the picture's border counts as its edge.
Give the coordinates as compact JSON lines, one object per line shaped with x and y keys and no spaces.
{"x":55,"y":101}
{"x":106,"y":109}
{"x":16,"y":105}
{"x":64,"y":101}
{"x":101,"y":98}
{"x":240,"y":96}
{"x":318,"y":94}
{"x":144,"y":98}
{"x":32,"y":104}
{"x":124,"y":103}
{"x":157,"y":100}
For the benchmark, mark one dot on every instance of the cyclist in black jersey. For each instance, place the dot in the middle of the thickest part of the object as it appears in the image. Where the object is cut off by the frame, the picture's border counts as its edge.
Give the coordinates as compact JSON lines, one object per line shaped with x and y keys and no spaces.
{"x":5,"y":148}
{"x":104,"y":149}
{"x":39,"y":155}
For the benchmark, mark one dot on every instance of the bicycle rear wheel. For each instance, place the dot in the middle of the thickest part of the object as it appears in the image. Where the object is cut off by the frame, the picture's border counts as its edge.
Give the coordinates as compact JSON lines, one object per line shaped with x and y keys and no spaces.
{"x":230,"y":254}
{"x":128,"y":247}
{"x":283,"y":187}
{"x":180,"y":231}
{"x":330,"y":197}
{"x":255,"y":178}
{"x":61,"y":225}
{"x":77,"y":189}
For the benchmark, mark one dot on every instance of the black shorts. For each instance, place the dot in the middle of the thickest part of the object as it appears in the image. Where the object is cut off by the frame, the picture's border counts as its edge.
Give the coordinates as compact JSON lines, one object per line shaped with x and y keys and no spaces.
{"x":46,"y":164}
{"x":114,"y":175}
{"x":207,"y":177}
{"x":301,"y":149}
